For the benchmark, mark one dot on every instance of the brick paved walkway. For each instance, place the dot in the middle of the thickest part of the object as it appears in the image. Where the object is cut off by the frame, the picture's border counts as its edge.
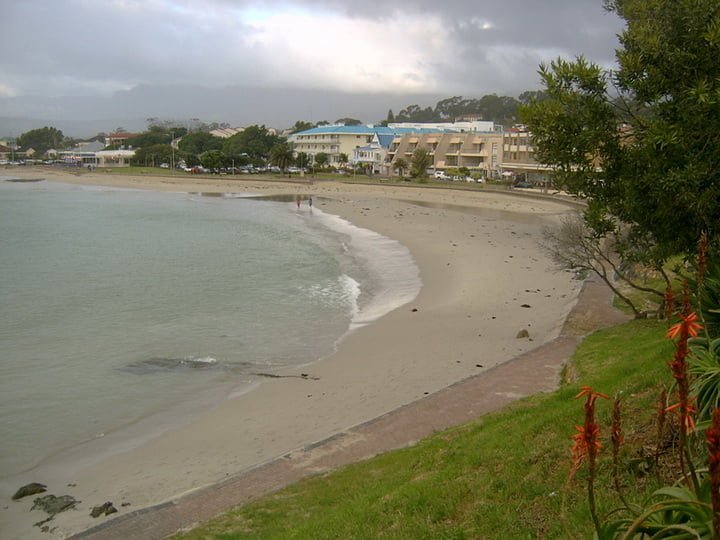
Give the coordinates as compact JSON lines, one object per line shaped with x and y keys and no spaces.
{"x":532,"y":372}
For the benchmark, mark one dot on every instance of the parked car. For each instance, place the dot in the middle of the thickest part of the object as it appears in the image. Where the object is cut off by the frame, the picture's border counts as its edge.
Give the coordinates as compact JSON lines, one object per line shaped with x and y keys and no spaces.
{"x":522,"y":184}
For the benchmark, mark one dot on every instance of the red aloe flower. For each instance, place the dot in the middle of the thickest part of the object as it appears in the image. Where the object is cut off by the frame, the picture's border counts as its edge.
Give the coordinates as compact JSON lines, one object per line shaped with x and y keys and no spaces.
{"x":686,"y":328}
{"x":587,"y":439}
{"x":713,"y":440}
{"x":690,"y":410}
{"x":587,"y":444}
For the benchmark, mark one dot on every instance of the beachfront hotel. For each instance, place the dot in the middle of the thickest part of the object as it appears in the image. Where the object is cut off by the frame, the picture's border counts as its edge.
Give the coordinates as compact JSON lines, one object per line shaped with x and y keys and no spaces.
{"x":336,"y":140}
{"x":478,"y":151}
{"x":519,"y":157}
{"x":480,"y":146}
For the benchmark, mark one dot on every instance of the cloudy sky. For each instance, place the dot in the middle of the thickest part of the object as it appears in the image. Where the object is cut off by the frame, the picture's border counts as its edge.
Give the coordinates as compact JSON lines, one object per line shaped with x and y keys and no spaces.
{"x":468,"y":47}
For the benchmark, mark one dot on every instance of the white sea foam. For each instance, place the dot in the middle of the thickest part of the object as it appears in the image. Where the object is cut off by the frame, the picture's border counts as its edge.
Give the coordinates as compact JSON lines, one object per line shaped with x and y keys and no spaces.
{"x":394,"y":278}
{"x":203,"y":360}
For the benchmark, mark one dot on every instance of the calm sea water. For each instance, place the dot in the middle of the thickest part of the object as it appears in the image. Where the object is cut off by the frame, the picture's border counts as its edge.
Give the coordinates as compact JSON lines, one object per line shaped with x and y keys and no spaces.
{"x":117,"y":305}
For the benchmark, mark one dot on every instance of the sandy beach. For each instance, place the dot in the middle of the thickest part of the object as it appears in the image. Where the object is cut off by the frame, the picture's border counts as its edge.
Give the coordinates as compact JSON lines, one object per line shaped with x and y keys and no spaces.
{"x":485,"y":278}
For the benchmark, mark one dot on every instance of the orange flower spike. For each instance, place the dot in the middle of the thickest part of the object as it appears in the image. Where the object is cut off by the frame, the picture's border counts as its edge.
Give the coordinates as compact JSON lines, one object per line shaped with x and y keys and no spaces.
{"x":687,"y":327}
{"x":586,"y":442}
{"x":592,"y":395}
{"x":689,"y":412}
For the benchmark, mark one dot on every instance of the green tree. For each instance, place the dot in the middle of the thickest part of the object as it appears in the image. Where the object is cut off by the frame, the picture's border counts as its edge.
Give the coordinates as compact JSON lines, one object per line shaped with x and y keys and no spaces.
{"x":156,"y":135}
{"x":415,"y":113}
{"x":254,"y":141}
{"x":213,"y":159}
{"x":301,"y":125}
{"x":41,"y":139}
{"x":343,"y":159}
{"x":199,"y":142}
{"x":532,"y":95}
{"x":400,"y":165}
{"x":348,"y":121}
{"x":448,"y":109}
{"x":321,"y":159}
{"x":658,"y":172}
{"x":152,"y":155}
{"x":281,"y":155}
{"x":419,"y":164}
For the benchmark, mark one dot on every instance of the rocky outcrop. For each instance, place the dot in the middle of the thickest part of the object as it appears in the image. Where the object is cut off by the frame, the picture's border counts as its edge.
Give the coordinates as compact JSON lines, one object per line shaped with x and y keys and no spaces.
{"x":33,"y":488}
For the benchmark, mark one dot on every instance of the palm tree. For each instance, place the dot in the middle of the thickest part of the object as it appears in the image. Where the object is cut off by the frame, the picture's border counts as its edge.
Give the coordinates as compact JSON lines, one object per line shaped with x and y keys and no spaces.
{"x":400,"y":166}
{"x":419,"y":164}
{"x":343,"y":159}
{"x":281,"y":155}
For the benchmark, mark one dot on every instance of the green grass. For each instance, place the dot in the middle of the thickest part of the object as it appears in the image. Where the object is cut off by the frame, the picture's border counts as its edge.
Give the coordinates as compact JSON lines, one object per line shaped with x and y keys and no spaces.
{"x":502,"y":476}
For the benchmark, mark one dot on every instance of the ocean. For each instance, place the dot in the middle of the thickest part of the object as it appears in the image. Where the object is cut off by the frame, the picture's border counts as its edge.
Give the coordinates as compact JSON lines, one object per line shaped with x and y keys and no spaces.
{"x":118,"y":306}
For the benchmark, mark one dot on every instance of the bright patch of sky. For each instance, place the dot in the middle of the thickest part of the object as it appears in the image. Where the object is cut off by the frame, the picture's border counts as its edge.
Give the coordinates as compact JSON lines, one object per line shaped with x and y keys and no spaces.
{"x":333,"y":50}
{"x":405,"y":46}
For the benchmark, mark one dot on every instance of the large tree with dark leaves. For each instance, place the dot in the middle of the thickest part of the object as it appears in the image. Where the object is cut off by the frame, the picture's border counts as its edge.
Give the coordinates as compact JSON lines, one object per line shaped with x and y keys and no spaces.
{"x":41,"y":140}
{"x":642,"y":143}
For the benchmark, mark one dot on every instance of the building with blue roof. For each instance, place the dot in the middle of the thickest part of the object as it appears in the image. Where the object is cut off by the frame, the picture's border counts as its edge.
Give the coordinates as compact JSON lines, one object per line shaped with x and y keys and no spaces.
{"x":340,"y":142}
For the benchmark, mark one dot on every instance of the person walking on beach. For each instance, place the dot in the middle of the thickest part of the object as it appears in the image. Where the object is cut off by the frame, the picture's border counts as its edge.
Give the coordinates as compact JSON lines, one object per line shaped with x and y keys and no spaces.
{"x":298,"y":202}
{"x":310,"y":202}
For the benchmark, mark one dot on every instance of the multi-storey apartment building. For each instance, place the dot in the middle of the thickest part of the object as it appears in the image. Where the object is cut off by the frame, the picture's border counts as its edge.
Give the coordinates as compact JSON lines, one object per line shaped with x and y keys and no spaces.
{"x":518,"y":157}
{"x":337,"y":140}
{"x":478,"y":151}
{"x":492,"y":153}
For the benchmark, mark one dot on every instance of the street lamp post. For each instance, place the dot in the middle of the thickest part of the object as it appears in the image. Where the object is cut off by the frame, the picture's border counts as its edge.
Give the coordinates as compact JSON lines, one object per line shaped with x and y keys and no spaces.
{"x":172,"y":149}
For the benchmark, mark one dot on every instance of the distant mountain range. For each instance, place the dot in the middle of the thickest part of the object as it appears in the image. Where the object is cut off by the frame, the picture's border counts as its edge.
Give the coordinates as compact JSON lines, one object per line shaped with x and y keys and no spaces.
{"x":83,"y":117}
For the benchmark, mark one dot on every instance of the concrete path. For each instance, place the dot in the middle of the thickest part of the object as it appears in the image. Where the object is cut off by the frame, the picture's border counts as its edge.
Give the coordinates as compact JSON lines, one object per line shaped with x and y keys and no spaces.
{"x":532,"y":372}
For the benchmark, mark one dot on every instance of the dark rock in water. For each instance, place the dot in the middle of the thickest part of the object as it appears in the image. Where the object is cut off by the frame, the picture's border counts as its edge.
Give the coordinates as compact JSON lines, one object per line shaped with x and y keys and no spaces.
{"x":25,"y":180}
{"x":54,"y":505}
{"x":523,"y":334}
{"x":106,"y":508}
{"x":161,"y":364}
{"x":526,"y":305}
{"x":32,"y":488}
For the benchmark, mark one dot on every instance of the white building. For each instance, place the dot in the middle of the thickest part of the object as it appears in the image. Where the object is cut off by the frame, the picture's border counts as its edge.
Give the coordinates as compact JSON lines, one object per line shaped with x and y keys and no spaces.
{"x":474,"y":126}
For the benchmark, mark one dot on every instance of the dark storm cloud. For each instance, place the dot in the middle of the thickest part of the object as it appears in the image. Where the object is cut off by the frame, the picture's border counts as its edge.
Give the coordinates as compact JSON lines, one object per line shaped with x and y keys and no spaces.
{"x":88,"y":47}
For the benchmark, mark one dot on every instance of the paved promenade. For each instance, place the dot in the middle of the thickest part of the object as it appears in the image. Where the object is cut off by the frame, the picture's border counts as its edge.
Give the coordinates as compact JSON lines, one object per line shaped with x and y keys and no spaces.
{"x":535,"y":371}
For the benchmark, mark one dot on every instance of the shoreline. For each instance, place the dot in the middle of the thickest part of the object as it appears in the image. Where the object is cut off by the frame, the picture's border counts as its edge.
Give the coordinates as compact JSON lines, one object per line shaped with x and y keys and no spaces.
{"x":478,"y":274}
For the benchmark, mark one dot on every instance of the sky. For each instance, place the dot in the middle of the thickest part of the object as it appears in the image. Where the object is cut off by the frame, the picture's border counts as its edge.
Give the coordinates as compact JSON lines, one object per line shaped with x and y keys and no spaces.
{"x":54,"y":48}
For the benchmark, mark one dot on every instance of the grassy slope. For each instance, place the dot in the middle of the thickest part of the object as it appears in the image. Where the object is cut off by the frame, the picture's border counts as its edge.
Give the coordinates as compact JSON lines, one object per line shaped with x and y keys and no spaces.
{"x":502,"y":476}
